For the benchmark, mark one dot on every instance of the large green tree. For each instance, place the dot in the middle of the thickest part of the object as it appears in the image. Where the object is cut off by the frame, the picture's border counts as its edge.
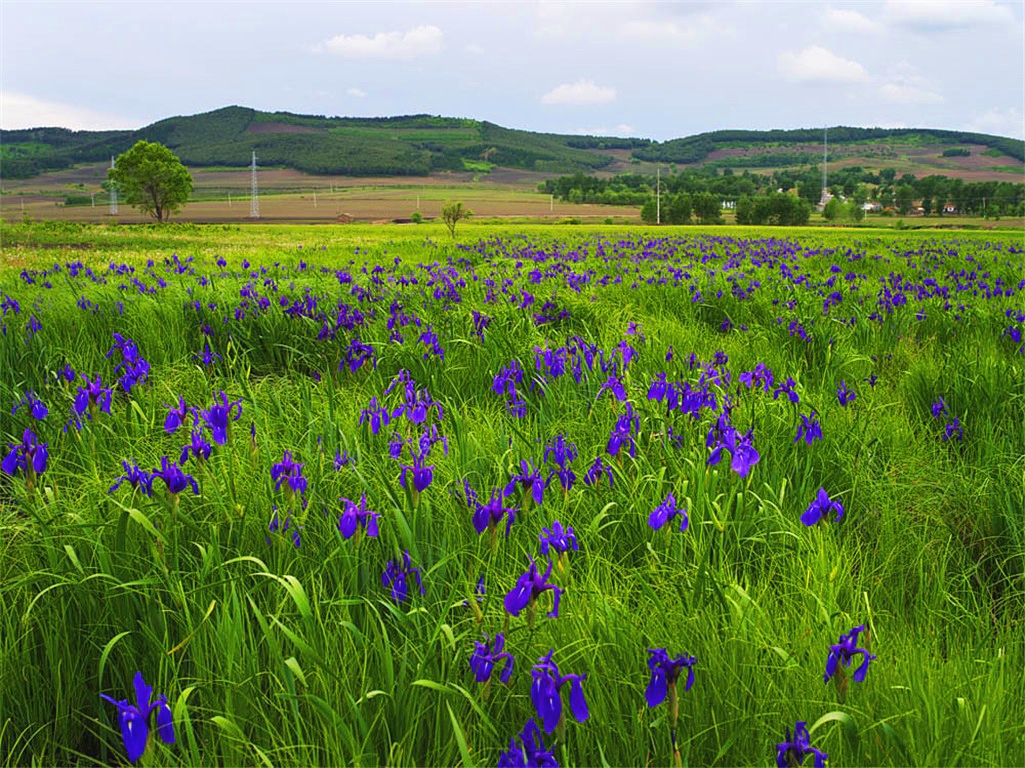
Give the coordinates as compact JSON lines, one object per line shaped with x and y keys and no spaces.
{"x":151,"y":178}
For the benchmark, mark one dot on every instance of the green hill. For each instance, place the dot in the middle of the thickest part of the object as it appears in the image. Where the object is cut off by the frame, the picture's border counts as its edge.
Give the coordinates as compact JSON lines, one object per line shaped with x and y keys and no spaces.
{"x":411,"y":145}
{"x":416,"y":145}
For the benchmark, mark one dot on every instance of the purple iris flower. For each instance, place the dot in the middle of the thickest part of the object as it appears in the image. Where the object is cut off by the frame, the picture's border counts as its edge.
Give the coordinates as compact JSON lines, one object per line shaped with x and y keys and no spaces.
{"x":545,"y":693}
{"x":845,"y":651}
{"x":35,"y":406}
{"x":207,"y":358}
{"x":395,"y":576}
{"x":490,"y":515}
{"x":354,"y":517}
{"x":761,"y":375}
{"x":561,"y":453}
{"x":423,"y":475}
{"x":137,"y":478}
{"x":791,"y":753}
{"x":809,"y":429}
{"x":845,"y":395}
{"x":277,"y":527}
{"x":530,"y":754}
{"x":787,"y":388}
{"x":953,"y":430}
{"x":134,"y":718}
{"x":615,"y":386}
{"x":198,"y":447}
{"x":290,"y":471}
{"x":377,"y":415}
{"x":29,"y":456}
{"x":91,"y":395}
{"x":176,"y":416}
{"x":486,"y":655}
{"x":665,"y":670}
{"x":593,"y":475}
{"x":173,"y":477}
{"x":558,"y":538}
{"x":665,"y":512}
{"x":528,"y":587}
{"x":938,"y":408}
{"x":530,"y":479}
{"x":743,"y":453}
{"x":820,"y":507}
{"x":626,"y":425}
{"x":217,"y":415}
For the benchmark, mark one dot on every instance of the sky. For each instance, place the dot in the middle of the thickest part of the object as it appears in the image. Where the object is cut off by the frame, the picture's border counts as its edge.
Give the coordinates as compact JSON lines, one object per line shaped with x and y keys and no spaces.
{"x":651,"y":69}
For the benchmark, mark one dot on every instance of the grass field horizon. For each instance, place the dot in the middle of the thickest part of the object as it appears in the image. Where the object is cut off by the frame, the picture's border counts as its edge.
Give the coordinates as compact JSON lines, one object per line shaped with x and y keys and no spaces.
{"x":365,"y":410}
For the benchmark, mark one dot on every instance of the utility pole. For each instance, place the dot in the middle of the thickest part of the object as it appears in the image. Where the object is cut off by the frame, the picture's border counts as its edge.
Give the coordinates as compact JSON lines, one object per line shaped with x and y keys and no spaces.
{"x":254,"y":199}
{"x":825,"y":149}
{"x":658,"y":194}
{"x":113,"y":193}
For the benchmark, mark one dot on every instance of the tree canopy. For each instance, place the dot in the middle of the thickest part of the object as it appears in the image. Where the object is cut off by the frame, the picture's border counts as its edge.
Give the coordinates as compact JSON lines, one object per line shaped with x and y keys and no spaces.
{"x":452,"y":213}
{"x":151,"y":178}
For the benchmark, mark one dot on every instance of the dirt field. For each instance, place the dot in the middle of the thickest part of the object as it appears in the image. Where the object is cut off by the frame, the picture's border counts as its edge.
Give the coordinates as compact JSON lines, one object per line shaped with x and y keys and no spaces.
{"x":354,"y":206}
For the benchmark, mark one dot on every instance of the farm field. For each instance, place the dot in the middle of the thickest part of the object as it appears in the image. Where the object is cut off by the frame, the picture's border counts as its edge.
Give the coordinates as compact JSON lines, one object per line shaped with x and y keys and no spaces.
{"x":287,"y":196}
{"x":537,"y":494}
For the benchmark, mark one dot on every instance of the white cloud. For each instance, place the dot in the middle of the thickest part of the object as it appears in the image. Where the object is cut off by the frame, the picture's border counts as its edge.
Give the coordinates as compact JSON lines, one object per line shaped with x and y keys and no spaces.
{"x":943,"y":15}
{"x":815,"y":64}
{"x":841,"y":20}
{"x":580,"y":92}
{"x":688,"y":31}
{"x":358,"y":93}
{"x":19,"y":110}
{"x":1000,"y":122}
{"x":418,"y":41}
{"x":902,"y":93}
{"x":475,"y":49}
{"x":617,"y":130}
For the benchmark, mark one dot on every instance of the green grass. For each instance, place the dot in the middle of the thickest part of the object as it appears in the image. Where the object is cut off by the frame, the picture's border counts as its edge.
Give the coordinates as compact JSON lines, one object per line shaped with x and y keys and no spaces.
{"x":269,"y":654}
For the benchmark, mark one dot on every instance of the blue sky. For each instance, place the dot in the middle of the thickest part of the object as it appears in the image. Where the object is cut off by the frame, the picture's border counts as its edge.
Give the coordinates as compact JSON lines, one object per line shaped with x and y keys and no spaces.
{"x":653,"y":69}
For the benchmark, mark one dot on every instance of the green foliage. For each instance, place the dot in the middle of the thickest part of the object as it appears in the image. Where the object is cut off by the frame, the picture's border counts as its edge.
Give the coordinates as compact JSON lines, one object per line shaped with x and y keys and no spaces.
{"x":956,"y":152}
{"x":416,"y":217}
{"x":707,"y":208}
{"x":452,"y":213}
{"x":275,"y":655}
{"x":694,"y":149}
{"x":149,"y":177}
{"x":776,"y":208}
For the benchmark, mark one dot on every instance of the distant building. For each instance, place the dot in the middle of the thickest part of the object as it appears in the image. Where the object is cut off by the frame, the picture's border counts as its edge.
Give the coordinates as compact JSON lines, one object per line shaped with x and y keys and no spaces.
{"x":826,"y":197}
{"x":872,"y":207}
{"x":950,"y":208}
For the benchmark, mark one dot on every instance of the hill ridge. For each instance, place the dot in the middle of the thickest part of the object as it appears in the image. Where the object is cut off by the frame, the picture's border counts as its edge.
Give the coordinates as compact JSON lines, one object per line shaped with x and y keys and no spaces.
{"x":418,"y":144}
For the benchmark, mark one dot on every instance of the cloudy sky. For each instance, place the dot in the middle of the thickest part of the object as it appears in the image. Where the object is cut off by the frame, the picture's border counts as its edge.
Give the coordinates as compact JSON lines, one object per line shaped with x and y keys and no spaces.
{"x":652,"y":69}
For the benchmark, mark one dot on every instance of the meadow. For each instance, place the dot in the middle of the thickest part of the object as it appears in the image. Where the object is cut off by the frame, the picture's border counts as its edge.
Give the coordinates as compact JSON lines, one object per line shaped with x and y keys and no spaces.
{"x":730,"y":496}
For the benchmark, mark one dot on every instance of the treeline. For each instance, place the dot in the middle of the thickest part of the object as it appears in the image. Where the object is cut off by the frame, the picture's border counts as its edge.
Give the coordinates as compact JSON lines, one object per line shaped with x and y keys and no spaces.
{"x":635,"y":189}
{"x":694,"y":149}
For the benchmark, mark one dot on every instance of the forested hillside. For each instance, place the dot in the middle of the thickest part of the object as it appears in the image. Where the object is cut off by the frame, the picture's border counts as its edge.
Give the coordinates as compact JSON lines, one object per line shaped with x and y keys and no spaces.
{"x":416,"y":145}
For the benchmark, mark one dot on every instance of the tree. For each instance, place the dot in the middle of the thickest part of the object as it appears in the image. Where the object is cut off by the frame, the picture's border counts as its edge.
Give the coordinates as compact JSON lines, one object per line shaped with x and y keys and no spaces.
{"x":452,"y":213}
{"x":707,"y":208}
{"x":905,"y":197}
{"x":152,"y":179}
